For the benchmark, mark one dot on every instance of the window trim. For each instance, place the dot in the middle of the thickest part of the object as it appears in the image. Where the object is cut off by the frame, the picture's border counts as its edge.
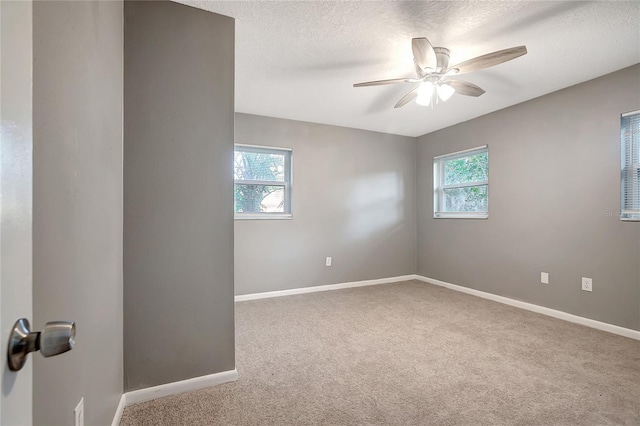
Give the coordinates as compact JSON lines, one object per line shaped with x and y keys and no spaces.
{"x":628,"y":215}
{"x":287,"y":184}
{"x":438,"y":187}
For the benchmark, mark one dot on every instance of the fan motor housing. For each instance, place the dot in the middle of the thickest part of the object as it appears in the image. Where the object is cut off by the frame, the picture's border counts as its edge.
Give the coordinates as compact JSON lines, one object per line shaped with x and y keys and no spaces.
{"x":442,"y":55}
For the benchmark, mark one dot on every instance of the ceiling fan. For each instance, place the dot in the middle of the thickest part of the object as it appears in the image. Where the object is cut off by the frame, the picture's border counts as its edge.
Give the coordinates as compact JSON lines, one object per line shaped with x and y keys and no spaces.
{"x":434,"y":74}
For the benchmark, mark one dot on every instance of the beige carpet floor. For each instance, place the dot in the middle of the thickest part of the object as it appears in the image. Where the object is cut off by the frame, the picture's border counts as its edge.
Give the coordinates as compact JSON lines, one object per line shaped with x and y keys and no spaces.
{"x":410,"y":354}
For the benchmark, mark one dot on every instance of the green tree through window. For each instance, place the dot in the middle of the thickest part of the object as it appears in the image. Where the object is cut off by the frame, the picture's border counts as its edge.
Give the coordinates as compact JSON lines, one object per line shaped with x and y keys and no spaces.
{"x":262,"y":178}
{"x":462,"y":184}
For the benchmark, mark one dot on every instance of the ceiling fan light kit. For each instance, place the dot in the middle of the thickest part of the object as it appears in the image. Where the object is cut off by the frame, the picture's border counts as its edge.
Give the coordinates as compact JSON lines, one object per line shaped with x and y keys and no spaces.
{"x":433,"y":73}
{"x":425,"y":93}
{"x":429,"y":93}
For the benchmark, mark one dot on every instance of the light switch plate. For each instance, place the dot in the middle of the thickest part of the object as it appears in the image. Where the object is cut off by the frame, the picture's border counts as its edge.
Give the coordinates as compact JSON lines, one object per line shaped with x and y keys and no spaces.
{"x":328,"y":261}
{"x":544,"y":277}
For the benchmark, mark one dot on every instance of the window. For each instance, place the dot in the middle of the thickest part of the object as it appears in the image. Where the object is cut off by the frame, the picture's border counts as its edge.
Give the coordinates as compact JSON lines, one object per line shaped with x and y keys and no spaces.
{"x":262,"y":182}
{"x":461,"y":184}
{"x":630,"y":166}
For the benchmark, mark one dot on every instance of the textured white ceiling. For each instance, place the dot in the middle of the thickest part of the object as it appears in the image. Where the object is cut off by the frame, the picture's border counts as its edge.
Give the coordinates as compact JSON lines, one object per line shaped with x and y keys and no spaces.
{"x":299,"y":59}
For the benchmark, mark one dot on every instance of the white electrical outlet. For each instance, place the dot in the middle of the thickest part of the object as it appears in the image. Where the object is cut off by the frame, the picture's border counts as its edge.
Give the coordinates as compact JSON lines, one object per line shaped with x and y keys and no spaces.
{"x":587,"y":284}
{"x":328,"y":262}
{"x":544,"y":277}
{"x":78,"y":413}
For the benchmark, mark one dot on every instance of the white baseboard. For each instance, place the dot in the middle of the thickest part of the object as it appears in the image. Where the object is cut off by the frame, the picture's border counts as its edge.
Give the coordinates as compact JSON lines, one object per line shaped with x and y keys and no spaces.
{"x":118,"y":416}
{"x":175,"y":388}
{"x":621,"y":331}
{"x":302,"y":290}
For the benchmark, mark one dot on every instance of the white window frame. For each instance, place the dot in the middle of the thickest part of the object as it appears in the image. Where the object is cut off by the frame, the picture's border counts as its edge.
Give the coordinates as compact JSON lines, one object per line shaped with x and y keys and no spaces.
{"x":625,"y":214}
{"x":439,"y":186}
{"x":287,"y":184}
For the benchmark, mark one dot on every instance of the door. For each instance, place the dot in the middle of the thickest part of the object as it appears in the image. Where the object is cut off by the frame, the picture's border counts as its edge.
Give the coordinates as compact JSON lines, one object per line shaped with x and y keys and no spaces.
{"x":15,"y":199}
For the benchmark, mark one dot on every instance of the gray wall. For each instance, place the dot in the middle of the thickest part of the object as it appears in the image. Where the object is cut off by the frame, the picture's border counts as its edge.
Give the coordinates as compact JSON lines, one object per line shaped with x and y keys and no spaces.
{"x":353,"y":199}
{"x":77,"y":206}
{"x":178,"y":221}
{"x":554,"y":196}
{"x":16,"y":195}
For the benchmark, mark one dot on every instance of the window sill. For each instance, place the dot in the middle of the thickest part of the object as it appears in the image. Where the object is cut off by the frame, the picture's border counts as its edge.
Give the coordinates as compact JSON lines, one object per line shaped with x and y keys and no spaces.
{"x":443,"y":215}
{"x":264,"y":216}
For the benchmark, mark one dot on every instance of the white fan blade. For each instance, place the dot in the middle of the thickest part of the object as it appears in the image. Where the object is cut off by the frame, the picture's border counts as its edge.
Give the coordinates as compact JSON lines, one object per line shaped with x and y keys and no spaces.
{"x":465,"y":88}
{"x":423,"y":53}
{"x":381,"y":82}
{"x":489,"y":60}
{"x":407,"y":98}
